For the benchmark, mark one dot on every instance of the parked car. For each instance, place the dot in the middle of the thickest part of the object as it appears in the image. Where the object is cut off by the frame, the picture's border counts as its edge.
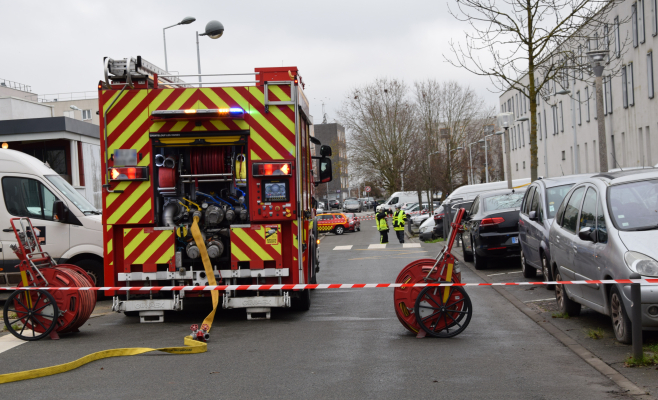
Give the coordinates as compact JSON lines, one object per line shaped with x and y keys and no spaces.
{"x":426,"y":230}
{"x":336,"y":223}
{"x":334,"y":204}
{"x":491,"y":227}
{"x":454,"y":206}
{"x":352,"y":205}
{"x":607,"y":228}
{"x":439,"y":217}
{"x":542,"y":199}
{"x":354,"y":223}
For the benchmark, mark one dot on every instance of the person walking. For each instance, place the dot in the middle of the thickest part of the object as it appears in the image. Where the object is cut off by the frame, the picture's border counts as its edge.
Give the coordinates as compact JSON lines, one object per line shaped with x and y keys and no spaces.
{"x":382,"y":225}
{"x":399,"y":218}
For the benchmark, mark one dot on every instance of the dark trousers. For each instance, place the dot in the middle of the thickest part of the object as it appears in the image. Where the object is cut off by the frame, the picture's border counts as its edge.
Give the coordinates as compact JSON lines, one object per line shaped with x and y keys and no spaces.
{"x":400,"y":235}
{"x":383,"y":236}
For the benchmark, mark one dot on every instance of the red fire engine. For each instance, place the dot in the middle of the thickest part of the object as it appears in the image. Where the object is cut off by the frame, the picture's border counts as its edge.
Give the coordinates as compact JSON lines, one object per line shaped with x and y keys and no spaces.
{"x":222,"y":173}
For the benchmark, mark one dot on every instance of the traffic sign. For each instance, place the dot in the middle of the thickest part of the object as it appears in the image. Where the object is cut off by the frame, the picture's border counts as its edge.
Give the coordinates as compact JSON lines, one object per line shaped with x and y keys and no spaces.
{"x":367,"y":188}
{"x":337,"y":190}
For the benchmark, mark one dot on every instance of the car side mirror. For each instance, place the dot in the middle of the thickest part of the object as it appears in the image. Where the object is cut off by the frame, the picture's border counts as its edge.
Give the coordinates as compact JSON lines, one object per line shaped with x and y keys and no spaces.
{"x":60,"y":211}
{"x":587,"y":234}
{"x":325,"y":151}
{"x":532,"y":215}
{"x":326,"y":174}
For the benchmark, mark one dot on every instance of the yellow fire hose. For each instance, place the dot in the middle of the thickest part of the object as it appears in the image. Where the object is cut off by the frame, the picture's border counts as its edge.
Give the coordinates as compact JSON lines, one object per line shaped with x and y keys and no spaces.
{"x":191,"y":346}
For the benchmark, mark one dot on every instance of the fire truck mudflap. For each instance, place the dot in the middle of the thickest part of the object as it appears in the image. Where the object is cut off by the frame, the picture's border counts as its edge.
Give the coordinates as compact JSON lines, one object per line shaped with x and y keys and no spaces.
{"x":234,"y":161}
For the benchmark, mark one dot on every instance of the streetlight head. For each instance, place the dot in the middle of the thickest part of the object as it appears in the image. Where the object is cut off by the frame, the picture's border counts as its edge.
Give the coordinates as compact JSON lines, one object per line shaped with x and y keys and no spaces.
{"x":75,"y":108}
{"x":522,"y":119}
{"x":499,"y":133}
{"x":187,"y":20}
{"x":505,"y":119}
{"x":214,"y":29}
{"x":481,"y":141}
{"x":564,"y":91}
{"x":459,"y":148}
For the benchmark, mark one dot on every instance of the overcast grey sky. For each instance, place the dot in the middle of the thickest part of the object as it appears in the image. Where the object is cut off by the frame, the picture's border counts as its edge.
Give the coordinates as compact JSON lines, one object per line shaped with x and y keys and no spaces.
{"x":58,"y":46}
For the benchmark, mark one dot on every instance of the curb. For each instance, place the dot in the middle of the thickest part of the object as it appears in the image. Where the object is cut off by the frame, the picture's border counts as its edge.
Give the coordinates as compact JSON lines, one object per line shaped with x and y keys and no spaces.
{"x":620,"y":380}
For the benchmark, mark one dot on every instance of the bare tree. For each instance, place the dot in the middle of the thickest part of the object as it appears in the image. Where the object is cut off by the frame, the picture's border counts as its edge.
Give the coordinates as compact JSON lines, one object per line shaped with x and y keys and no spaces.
{"x":381,"y":121}
{"x":525,"y":45}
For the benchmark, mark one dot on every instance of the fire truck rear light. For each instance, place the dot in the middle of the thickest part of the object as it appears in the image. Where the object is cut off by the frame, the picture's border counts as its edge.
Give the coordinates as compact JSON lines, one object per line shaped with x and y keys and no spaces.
{"x":129,"y":174}
{"x":272,"y":169}
{"x":189,"y":111}
{"x":492,"y":221}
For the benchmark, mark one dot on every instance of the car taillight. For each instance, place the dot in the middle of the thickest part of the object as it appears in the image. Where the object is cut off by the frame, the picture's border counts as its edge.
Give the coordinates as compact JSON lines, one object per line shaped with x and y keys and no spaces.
{"x":129,"y":173}
{"x":492,"y":221}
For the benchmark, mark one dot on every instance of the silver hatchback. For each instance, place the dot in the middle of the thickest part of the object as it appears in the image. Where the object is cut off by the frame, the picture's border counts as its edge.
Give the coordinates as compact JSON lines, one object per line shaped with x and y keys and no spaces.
{"x":607,"y":228}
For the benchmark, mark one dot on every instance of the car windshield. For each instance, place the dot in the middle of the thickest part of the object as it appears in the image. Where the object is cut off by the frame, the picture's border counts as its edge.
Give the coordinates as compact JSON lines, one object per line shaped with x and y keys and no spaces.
{"x":349,"y":215}
{"x":70,"y":193}
{"x":555,"y":195}
{"x":503,"y":201}
{"x":351,"y":202}
{"x":634,"y":205}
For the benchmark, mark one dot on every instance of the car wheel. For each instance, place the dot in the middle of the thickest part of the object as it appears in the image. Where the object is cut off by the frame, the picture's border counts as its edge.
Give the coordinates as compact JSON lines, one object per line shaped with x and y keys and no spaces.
{"x":564,"y":304}
{"x":528,"y":271}
{"x":339,"y":230}
{"x":479,"y":262}
{"x":546,"y":271}
{"x":467,"y":256}
{"x":621,"y":323}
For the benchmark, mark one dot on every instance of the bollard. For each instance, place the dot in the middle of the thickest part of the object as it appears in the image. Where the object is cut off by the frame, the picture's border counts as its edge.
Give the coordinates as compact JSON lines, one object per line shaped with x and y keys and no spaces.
{"x":636,"y":317}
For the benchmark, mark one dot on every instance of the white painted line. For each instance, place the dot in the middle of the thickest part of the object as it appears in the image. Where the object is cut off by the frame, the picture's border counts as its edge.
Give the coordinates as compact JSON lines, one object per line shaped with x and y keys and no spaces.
{"x":532,"y":301}
{"x":348,"y":247}
{"x":502,"y":273}
{"x":10,"y":341}
{"x":377,"y":246}
{"x":410,"y":245}
{"x":517,"y":272}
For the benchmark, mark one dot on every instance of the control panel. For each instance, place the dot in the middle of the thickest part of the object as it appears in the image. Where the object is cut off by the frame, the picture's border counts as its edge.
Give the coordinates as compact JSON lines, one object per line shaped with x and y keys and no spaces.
{"x":273,"y":185}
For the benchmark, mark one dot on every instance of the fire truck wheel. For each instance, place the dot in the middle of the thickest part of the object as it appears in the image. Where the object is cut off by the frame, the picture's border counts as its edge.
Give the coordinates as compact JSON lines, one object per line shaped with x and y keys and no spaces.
{"x":93,"y":268}
{"x":311,"y":265}
{"x":303,"y":302}
{"x":339,"y":230}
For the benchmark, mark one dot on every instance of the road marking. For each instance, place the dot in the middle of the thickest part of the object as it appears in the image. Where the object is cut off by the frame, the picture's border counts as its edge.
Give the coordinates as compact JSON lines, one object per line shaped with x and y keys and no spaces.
{"x":10,"y":341}
{"x":348,"y":247}
{"x":532,"y":301}
{"x":377,"y":246}
{"x":517,"y":272}
{"x":502,"y":273}
{"x":410,"y":245}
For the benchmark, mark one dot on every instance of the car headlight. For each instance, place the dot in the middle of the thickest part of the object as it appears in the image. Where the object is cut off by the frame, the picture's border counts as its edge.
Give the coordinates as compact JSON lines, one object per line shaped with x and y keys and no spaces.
{"x":425,"y":229}
{"x":643,"y":265}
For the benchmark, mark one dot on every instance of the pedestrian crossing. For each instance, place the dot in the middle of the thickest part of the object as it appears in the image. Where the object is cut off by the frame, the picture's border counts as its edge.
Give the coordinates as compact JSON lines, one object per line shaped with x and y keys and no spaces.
{"x":380,"y":246}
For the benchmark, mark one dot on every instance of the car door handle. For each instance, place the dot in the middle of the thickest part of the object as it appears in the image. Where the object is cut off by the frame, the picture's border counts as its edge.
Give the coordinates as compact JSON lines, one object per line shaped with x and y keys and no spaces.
{"x":8,"y":230}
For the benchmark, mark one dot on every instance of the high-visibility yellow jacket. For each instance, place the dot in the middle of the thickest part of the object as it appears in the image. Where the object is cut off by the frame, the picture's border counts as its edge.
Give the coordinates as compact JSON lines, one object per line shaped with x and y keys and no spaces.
{"x":382,"y":225}
{"x":398,"y":220}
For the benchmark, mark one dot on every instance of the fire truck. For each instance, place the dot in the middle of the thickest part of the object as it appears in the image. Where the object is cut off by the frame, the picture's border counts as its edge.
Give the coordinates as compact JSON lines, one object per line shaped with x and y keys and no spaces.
{"x":233,"y":161}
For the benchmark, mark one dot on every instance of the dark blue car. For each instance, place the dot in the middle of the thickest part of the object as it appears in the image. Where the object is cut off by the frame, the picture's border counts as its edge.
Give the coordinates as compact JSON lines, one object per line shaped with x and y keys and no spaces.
{"x":543,"y":198}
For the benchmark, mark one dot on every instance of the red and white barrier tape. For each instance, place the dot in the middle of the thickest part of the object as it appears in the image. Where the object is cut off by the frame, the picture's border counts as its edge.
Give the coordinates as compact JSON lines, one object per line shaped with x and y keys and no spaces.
{"x":330,"y":286}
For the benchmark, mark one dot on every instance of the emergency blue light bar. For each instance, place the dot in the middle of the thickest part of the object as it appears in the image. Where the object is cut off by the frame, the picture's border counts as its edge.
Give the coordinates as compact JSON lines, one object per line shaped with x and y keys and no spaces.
{"x":233,"y":112}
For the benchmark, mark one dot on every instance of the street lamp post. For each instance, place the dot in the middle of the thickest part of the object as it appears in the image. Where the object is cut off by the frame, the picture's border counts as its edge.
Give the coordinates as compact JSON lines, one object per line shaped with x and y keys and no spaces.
{"x":450,"y":163}
{"x":185,"y":21}
{"x":214,"y":30}
{"x":487,"y":129}
{"x":597,"y":58}
{"x":429,"y":167}
{"x":505,"y":121}
{"x":470,"y":161}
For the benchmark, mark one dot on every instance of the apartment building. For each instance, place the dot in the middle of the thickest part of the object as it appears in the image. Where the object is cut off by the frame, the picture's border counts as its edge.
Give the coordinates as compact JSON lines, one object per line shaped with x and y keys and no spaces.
{"x":630,"y":106}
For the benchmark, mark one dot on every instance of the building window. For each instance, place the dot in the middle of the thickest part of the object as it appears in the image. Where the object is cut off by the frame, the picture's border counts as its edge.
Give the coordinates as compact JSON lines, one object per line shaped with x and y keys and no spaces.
{"x":554,"y":110}
{"x":545,"y":127}
{"x":580,"y":117}
{"x":517,"y":166}
{"x":654,"y":17}
{"x":561,"y":119}
{"x":587,"y":97}
{"x":650,"y":73}
{"x":631,"y":85}
{"x":595,"y":41}
{"x":523,"y":133}
{"x":634,"y":23}
{"x":596,"y":109}
{"x":524,"y":165}
{"x":617,"y":38}
{"x":539,"y":124}
{"x":624,"y":87}
{"x":564,"y":155}
{"x":640,"y":20}
{"x":86,"y":115}
{"x":582,"y":60}
{"x":608,"y":99}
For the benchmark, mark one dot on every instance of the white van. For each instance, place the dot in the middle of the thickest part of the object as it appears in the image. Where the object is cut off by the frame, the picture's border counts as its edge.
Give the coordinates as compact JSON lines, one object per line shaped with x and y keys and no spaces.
{"x":401,"y":198}
{"x":468,"y":192}
{"x":32,"y":189}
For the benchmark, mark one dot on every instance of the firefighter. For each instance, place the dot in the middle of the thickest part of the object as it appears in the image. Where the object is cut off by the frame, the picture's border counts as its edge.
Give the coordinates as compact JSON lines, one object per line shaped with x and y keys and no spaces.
{"x":382,"y":225}
{"x":399,"y":219}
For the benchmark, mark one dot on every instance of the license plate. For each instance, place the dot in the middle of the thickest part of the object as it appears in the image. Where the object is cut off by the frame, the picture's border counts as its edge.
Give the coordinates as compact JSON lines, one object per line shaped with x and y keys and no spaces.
{"x":515,"y":240}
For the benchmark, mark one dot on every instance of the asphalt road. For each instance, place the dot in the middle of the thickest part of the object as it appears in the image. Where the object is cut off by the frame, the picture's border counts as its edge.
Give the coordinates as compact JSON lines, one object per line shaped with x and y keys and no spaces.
{"x":350,"y":344}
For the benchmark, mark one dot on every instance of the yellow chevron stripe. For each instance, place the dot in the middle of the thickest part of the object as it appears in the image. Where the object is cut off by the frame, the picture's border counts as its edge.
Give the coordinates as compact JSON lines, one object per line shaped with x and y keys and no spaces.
{"x":153,"y":247}
{"x":130,"y":247}
{"x":237,"y":253}
{"x":278,"y":92}
{"x":109,"y":246}
{"x":184,"y":97}
{"x":111,"y":197}
{"x":251,"y":243}
{"x":264,"y":145}
{"x":111,"y":99}
{"x":254,"y":156}
{"x":127,"y":203}
{"x":216,"y":100}
{"x":190,"y":140}
{"x":123,"y":114}
{"x":141,"y":213}
{"x":277,"y":247}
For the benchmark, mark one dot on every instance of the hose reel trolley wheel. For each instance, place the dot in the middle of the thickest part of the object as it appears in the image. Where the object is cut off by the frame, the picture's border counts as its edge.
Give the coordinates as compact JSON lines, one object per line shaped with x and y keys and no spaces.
{"x":405,"y":298}
{"x":30,"y":315}
{"x":439,"y":318}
